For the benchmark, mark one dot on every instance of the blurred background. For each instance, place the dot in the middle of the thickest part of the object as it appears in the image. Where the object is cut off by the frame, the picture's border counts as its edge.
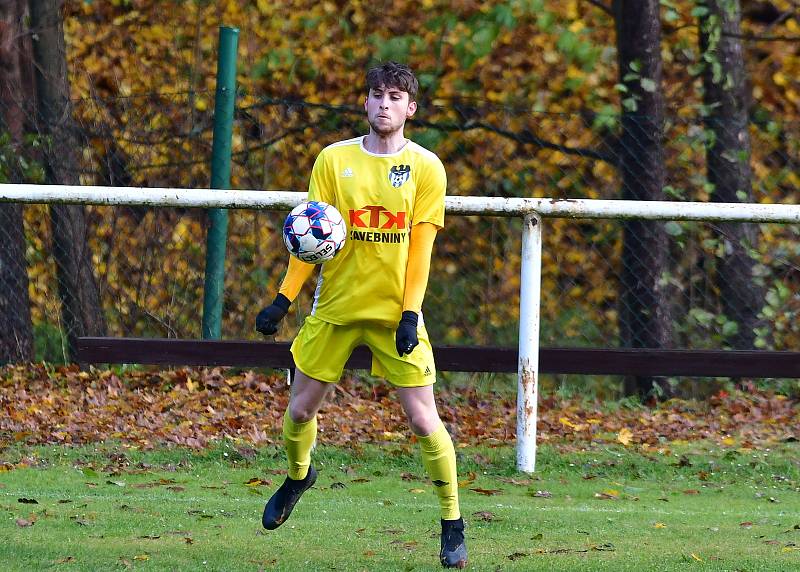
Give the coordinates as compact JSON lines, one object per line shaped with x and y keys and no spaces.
{"x":643,"y":100}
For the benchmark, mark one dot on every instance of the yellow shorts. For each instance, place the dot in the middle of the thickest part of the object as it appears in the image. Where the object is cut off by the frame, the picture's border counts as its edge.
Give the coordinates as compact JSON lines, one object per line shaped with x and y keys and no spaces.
{"x":321,"y":350}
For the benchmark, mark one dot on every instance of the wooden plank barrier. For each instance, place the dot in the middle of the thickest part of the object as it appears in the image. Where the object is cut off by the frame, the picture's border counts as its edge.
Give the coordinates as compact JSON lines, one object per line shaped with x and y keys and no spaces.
{"x":585,"y":361}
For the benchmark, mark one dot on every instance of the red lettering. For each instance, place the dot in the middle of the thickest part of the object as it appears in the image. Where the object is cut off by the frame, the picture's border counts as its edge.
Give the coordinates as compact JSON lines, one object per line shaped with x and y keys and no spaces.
{"x":392,"y":219}
{"x":398,"y":220}
{"x":355,"y":218}
{"x":374,"y":215}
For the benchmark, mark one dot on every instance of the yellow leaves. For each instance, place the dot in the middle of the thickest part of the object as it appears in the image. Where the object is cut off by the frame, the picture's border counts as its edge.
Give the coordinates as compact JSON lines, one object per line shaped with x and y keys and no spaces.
{"x":266,"y":7}
{"x":576,"y":26}
{"x":566,"y":422}
{"x":780,"y":78}
{"x":659,"y":525}
{"x":624,"y":436}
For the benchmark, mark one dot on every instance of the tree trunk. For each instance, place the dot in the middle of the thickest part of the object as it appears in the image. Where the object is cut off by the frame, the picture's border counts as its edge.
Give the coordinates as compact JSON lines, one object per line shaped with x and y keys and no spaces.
{"x":728,"y":163}
{"x":81,"y":311}
{"x":643,"y":317}
{"x":16,"y":330}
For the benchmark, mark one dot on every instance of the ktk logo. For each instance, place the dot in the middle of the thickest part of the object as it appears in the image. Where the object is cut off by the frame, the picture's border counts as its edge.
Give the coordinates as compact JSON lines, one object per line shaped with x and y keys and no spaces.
{"x":375,"y":216}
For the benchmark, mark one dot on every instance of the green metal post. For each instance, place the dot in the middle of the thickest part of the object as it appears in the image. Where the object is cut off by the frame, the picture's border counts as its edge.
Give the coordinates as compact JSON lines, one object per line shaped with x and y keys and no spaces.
{"x":217,"y":237}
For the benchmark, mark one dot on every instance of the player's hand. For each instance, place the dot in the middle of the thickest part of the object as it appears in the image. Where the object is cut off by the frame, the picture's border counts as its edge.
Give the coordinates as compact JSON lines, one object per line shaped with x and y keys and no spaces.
{"x":268,"y":318}
{"x":405,"y":338}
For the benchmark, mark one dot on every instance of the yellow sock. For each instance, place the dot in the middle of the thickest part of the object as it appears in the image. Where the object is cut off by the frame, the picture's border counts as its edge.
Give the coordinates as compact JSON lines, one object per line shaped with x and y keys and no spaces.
{"x":439,"y":459}
{"x":298,"y":438}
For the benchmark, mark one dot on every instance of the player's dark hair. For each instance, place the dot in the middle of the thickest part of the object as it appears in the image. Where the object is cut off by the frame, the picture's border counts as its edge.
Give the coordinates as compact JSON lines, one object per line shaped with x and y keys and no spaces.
{"x":393,"y":74}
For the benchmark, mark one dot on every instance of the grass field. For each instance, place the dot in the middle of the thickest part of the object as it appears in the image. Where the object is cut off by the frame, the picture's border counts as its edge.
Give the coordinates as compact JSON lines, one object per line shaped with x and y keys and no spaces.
{"x":694,"y":507}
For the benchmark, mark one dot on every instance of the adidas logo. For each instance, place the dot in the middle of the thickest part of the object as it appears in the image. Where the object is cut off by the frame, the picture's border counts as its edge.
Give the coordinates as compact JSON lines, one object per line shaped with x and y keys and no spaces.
{"x":428,"y":371}
{"x":348,"y":172}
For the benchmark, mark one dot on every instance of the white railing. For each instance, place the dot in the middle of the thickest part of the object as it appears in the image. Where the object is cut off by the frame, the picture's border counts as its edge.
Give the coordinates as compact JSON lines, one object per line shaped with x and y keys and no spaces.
{"x":532,"y":210}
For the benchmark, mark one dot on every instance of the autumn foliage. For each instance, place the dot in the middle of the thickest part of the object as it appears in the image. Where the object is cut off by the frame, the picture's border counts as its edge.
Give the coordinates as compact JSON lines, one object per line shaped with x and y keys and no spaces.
{"x":195,"y":408}
{"x":519,"y":98}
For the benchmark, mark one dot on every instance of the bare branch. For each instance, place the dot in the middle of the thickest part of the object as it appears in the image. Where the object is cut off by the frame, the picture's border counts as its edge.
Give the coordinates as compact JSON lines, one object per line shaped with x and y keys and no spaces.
{"x":754,"y":38}
{"x":604,"y":7}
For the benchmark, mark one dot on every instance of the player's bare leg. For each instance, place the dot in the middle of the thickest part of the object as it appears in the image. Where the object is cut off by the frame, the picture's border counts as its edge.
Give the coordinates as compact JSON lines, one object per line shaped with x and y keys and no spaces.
{"x":299,"y":432}
{"x":439,"y":459}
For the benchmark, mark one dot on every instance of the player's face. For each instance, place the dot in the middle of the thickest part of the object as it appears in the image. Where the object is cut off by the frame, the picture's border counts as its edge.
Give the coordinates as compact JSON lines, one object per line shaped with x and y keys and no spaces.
{"x":387,"y":109}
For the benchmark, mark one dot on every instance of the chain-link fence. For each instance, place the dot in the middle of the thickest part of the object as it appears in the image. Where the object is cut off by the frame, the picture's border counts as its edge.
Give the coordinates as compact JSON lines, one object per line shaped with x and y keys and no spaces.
{"x":147,"y":264}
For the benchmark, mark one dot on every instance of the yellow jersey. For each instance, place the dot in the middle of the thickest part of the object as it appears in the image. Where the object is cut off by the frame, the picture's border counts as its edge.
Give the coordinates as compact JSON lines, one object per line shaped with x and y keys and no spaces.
{"x":380,"y":198}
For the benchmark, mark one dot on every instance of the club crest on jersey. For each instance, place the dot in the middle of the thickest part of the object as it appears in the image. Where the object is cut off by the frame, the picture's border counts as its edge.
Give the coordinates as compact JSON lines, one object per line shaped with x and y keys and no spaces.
{"x":399,"y":174}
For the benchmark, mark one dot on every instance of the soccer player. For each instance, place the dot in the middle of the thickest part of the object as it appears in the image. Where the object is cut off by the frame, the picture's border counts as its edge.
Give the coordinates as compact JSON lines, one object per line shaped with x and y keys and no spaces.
{"x":390,"y":192}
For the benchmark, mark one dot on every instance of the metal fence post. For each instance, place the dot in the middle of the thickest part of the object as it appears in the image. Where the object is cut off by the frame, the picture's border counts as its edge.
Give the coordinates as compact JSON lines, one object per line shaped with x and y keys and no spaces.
{"x":217,"y":237}
{"x":529,"y":297}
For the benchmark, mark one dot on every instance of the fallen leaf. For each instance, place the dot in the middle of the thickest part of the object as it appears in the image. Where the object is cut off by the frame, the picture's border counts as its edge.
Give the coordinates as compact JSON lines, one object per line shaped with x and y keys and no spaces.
{"x":22,"y":523}
{"x":23,"y":500}
{"x":141,"y":557}
{"x":691,"y":492}
{"x":608,"y":494}
{"x":471,"y":476}
{"x":541,"y":494}
{"x":488,"y":492}
{"x":359,"y":480}
{"x":65,"y":560}
{"x":659,"y":525}
{"x":519,"y":482}
{"x":256,"y":482}
{"x":696,"y":557}
{"x":484,"y":515}
{"x":416,"y":491}
{"x":516,"y":556}
{"x":746,"y":524}
{"x":624,"y":436}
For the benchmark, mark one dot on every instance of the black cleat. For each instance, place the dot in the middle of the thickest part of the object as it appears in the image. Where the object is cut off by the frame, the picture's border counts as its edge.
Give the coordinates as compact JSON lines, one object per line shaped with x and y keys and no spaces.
{"x":281,"y":503}
{"x":454,"y":550}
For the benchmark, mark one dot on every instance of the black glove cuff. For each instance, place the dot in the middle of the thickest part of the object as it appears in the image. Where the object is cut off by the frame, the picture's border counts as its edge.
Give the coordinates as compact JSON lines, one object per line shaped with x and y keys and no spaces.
{"x":282,"y":302}
{"x":410,"y":317}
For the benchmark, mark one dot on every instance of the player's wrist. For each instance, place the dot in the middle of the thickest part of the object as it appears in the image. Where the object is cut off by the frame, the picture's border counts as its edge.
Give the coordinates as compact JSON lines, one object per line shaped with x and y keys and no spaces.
{"x":282,"y":302}
{"x":409,"y":317}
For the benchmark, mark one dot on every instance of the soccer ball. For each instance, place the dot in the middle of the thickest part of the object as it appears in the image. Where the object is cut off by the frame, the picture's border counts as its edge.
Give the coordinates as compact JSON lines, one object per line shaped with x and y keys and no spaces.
{"x":314,"y":232}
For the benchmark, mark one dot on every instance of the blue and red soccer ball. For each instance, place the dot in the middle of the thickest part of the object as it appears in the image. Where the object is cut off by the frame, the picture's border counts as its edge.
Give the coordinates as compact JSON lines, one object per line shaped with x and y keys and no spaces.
{"x":314,"y":232}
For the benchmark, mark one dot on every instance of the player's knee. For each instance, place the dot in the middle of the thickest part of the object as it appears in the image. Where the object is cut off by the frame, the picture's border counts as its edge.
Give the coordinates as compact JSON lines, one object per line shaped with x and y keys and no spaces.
{"x":423,"y":424}
{"x":300,"y":413}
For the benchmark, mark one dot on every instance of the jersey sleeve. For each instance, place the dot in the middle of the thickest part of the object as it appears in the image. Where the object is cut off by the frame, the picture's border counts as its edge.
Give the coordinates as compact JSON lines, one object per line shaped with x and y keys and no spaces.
{"x":431,"y":189}
{"x":321,"y":187}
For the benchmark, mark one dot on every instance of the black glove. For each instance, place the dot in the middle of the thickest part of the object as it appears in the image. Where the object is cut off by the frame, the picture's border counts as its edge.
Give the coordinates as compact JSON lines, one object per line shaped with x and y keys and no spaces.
{"x":268,"y":318}
{"x":405,"y":339}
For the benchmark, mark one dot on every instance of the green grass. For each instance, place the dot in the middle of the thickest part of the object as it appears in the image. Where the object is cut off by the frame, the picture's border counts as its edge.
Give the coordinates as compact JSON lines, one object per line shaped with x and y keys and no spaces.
{"x":176,"y":510}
